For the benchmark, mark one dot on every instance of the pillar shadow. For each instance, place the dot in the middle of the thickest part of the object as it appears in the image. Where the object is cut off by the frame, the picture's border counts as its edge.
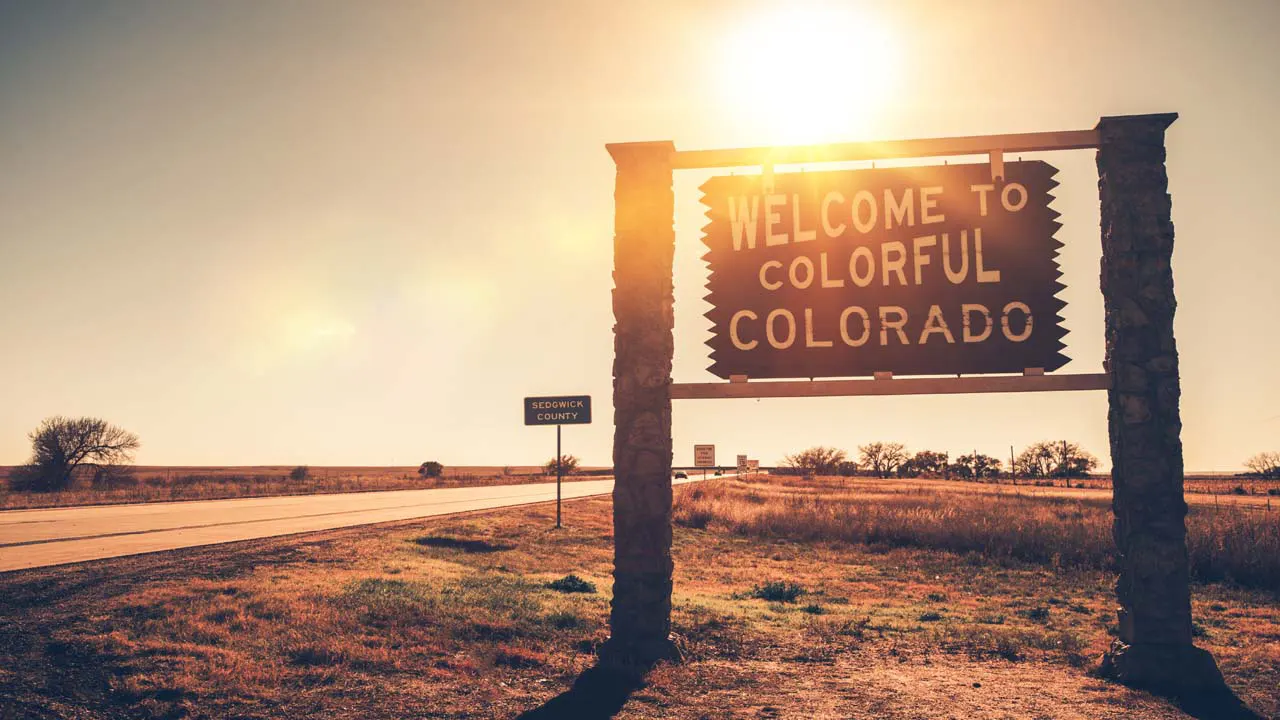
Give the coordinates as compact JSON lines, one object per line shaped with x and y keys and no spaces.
{"x":1222,"y":705}
{"x":597,"y":694}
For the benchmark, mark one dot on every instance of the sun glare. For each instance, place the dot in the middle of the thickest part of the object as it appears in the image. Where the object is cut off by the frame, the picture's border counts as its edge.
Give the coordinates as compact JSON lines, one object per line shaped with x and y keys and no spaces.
{"x":806,"y":73}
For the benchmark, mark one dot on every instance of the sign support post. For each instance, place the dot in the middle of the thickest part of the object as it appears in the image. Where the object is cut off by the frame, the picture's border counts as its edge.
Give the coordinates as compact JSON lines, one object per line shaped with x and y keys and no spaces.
{"x":559,"y":475}
{"x":643,"y":348}
{"x":1154,"y":648}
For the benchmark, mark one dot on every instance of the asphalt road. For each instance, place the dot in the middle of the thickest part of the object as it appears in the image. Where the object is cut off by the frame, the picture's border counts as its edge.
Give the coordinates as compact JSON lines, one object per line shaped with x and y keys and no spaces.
{"x":54,"y":536}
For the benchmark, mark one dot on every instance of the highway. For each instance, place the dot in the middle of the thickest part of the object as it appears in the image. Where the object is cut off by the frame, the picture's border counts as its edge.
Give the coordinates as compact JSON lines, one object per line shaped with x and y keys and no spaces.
{"x":55,"y":536}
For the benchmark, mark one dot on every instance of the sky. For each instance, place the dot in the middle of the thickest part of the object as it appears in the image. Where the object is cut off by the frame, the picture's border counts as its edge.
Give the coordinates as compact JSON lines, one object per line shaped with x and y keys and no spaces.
{"x":340,"y":233}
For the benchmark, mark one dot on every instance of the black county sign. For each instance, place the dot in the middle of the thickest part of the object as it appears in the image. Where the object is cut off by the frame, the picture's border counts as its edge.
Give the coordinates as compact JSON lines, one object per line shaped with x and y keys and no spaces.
{"x":557,"y":410}
{"x":916,"y":271}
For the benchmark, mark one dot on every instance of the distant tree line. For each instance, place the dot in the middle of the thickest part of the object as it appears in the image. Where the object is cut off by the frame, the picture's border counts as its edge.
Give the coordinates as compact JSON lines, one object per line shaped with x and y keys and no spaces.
{"x":1047,"y":459}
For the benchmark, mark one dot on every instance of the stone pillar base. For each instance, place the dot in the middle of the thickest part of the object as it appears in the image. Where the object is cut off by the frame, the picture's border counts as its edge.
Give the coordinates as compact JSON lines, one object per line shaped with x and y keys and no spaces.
{"x":1178,"y":671}
{"x":637,"y":655}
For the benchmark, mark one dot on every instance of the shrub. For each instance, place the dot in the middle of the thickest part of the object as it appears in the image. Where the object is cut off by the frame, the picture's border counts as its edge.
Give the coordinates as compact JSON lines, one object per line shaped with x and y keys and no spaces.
{"x":572,"y":584}
{"x":568,"y":465}
{"x":302,"y":472}
{"x":111,"y":477}
{"x":431,"y":469}
{"x":564,"y":621}
{"x":1037,"y":614}
{"x":777,"y":591}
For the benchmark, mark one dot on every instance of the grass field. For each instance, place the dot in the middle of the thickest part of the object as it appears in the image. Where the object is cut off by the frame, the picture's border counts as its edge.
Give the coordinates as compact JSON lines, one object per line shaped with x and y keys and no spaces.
{"x":1061,"y":532}
{"x":1193,"y":483}
{"x":467,"y":617}
{"x":165,"y":484}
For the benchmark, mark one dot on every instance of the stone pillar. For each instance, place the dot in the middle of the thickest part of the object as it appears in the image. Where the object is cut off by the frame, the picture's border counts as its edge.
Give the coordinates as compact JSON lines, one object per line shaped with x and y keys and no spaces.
{"x":643,"y":249}
{"x":1154,"y":649}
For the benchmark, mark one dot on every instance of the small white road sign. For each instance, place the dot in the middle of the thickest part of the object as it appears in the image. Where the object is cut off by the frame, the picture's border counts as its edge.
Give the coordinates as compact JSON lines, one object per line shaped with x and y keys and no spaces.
{"x":704,"y":456}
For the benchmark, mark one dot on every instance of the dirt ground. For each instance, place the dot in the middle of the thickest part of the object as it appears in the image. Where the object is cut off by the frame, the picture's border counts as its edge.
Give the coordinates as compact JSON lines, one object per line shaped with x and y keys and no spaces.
{"x":454,"y":618}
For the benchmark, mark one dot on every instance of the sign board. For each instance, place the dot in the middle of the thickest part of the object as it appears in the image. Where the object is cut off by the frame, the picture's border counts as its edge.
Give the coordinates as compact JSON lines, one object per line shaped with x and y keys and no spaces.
{"x":557,"y":410}
{"x":753,"y":467}
{"x":742,"y":464}
{"x":704,"y":456}
{"x":936,"y":270}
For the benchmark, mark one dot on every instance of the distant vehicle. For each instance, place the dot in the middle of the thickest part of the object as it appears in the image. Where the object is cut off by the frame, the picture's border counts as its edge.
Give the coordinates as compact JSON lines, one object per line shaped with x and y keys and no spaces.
{"x":681,"y":476}
{"x":719,"y":473}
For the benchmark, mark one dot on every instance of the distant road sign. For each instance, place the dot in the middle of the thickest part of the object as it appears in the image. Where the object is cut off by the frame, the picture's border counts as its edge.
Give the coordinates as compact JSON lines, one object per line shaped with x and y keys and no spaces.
{"x":704,"y":456}
{"x":557,"y":410}
{"x":742,"y":464}
{"x":753,"y":466}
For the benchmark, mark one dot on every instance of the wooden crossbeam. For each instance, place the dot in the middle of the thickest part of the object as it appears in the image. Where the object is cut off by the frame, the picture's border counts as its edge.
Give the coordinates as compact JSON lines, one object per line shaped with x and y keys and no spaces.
{"x":896,"y":386}
{"x":892,"y":149}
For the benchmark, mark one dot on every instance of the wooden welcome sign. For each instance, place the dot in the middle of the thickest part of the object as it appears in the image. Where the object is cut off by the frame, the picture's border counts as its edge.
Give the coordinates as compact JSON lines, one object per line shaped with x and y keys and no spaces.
{"x":914,"y":271}
{"x":946,"y":269}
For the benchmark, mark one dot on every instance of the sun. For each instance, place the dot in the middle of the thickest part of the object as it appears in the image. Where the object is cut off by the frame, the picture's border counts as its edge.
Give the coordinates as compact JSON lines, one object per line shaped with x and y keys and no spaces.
{"x":812,"y":73}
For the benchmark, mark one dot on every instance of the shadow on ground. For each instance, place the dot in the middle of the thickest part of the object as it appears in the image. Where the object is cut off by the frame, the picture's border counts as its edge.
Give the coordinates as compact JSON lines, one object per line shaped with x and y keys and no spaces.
{"x":598,"y":694}
{"x":1216,"y":706}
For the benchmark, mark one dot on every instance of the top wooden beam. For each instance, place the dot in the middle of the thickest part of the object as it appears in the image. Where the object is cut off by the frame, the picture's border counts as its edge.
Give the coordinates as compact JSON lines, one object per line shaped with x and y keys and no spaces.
{"x":892,"y":149}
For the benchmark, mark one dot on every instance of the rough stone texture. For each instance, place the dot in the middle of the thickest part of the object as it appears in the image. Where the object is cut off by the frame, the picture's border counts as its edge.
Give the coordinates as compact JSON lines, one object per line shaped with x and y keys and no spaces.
{"x":1154,"y":650}
{"x":644,"y":245}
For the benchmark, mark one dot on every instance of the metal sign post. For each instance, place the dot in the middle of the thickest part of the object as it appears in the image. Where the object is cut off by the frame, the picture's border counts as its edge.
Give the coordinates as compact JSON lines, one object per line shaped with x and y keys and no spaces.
{"x":559,"y":475}
{"x":558,"y":410}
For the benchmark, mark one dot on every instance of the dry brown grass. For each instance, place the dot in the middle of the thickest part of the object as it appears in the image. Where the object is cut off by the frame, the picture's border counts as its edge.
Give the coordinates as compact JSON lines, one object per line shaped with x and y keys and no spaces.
{"x":452,"y":617}
{"x":1206,"y":484}
{"x":1199,"y":483}
{"x":1228,"y":544}
{"x":167,"y":484}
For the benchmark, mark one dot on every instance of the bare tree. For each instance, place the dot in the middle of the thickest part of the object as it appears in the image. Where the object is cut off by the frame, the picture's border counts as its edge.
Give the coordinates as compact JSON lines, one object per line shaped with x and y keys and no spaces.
{"x":882,"y":458}
{"x":61,"y":445}
{"x":1055,"y":459}
{"x":1264,"y":464}
{"x":817,"y":460}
